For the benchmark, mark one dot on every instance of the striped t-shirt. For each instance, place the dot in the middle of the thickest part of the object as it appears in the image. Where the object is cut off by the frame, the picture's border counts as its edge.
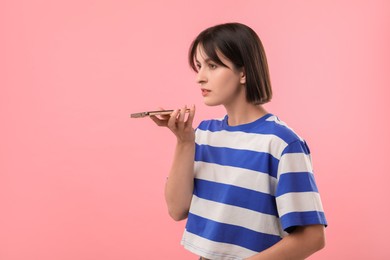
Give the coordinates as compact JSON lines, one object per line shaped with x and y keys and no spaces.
{"x":253,"y":184}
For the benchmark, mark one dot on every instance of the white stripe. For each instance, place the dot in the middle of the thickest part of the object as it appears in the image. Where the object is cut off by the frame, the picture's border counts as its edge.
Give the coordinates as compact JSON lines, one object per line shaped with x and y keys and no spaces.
{"x":280,"y":122}
{"x":265,"y":143}
{"x":239,"y":177}
{"x":276,"y":120}
{"x":295,"y":162}
{"x":233,"y":215}
{"x":298,"y":202}
{"x":216,"y":250}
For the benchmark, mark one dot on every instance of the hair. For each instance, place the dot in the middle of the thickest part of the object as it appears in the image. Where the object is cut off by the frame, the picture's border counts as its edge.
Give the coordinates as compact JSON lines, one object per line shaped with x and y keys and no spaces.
{"x":243,"y":47}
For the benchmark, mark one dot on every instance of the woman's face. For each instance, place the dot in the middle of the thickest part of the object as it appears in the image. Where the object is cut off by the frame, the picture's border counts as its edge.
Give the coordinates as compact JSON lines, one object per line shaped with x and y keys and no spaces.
{"x":219,"y":85}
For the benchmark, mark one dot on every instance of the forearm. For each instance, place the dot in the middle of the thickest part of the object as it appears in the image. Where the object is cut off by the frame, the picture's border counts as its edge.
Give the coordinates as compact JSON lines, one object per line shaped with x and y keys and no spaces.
{"x":180,"y":182}
{"x":302,"y":243}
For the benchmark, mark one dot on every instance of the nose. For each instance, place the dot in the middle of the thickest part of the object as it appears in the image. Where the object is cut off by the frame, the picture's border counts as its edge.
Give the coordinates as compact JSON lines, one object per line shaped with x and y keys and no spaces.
{"x":201,"y":77}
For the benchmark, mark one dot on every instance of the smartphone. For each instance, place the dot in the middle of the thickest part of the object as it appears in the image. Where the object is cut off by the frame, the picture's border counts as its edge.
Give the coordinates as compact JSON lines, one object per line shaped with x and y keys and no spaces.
{"x":154,"y":113}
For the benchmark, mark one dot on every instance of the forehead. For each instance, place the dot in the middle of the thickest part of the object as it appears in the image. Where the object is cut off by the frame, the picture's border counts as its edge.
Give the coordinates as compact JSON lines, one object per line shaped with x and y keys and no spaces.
{"x":203,"y":55}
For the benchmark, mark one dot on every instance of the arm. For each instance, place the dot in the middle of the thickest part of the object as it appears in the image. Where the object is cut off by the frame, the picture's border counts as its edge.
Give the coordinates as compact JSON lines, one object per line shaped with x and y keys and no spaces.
{"x":180,"y":182}
{"x":302,"y":243}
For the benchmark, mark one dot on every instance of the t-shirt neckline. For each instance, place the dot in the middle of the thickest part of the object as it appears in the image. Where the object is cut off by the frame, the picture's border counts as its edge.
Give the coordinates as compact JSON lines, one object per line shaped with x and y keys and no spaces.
{"x":246,"y":126}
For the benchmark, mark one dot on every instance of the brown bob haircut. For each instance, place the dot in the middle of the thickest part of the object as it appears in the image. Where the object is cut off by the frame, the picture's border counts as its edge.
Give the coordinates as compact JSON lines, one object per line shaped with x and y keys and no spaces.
{"x":242,"y":46}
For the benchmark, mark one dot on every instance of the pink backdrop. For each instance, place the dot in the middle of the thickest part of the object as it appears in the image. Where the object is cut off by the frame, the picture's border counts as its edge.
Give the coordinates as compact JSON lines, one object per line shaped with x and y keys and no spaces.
{"x":80,"y":180}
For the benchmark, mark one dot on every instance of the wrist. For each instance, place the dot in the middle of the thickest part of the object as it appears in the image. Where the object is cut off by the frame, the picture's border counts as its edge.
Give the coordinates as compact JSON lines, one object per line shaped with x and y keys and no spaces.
{"x":185,"y":143}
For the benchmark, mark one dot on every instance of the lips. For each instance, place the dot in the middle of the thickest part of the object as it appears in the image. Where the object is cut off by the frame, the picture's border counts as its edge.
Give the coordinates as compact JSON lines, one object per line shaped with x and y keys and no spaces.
{"x":205,"y":92}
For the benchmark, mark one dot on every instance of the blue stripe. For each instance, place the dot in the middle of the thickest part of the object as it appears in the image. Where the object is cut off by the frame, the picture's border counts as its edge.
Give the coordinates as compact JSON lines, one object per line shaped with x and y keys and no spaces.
{"x":303,"y":219}
{"x":261,"y":126}
{"x":296,"y":182}
{"x":236,"y":196}
{"x":211,"y":125}
{"x":297,"y":147}
{"x":256,"y":161}
{"x":231,"y":234}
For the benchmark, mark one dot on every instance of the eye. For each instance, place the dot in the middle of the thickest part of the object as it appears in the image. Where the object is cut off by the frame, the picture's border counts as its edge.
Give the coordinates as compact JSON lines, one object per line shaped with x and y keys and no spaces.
{"x":197,"y":65}
{"x":212,"y":66}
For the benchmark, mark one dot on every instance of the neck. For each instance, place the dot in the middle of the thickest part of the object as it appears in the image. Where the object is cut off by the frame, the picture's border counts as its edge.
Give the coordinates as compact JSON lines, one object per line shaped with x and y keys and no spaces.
{"x":244,"y":113}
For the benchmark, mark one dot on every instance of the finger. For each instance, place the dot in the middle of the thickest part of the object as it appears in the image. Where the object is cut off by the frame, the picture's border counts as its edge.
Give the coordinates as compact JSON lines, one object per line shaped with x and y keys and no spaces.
{"x":158,"y":121}
{"x":191,"y":116}
{"x":182,"y":115}
{"x":165,"y":117}
{"x":172,"y":120}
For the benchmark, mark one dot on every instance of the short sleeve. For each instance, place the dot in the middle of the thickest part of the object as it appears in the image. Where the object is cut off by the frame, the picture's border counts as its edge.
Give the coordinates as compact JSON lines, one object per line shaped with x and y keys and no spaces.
{"x":297,"y":198}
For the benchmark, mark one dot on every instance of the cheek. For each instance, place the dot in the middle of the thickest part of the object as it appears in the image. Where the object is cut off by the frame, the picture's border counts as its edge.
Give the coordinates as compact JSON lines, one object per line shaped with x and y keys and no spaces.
{"x":230,"y":82}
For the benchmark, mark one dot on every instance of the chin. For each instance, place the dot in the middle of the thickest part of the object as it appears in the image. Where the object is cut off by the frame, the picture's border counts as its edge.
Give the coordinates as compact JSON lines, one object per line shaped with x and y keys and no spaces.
{"x":212,"y":104}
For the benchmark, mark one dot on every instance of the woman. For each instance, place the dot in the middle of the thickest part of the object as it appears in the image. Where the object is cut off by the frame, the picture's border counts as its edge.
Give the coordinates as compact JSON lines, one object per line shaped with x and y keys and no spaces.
{"x":244,"y":182}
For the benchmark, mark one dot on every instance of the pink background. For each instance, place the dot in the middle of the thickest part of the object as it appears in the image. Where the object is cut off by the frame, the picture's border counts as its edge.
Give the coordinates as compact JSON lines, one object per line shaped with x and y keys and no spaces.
{"x":79,"y":179}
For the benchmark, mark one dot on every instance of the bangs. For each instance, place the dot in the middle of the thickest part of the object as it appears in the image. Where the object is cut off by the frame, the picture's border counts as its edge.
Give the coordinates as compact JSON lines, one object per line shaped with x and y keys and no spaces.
{"x":208,"y":46}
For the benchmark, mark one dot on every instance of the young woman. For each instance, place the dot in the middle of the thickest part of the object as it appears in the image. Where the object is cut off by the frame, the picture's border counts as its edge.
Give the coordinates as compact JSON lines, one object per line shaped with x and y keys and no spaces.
{"x":244,"y":182}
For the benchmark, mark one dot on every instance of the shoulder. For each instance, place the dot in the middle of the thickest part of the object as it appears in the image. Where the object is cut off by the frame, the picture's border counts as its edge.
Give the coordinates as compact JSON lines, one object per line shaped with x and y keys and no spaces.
{"x":270,"y":127}
{"x":211,"y":125}
{"x":274,"y":126}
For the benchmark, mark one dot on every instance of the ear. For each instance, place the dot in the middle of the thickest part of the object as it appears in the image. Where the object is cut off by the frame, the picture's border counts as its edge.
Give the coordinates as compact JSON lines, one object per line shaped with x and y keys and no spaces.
{"x":242,"y":76}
